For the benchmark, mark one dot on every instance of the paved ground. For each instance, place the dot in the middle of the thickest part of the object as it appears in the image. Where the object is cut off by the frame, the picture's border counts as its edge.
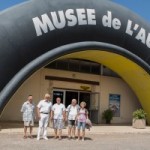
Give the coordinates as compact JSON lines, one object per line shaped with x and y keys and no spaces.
{"x":99,"y":138}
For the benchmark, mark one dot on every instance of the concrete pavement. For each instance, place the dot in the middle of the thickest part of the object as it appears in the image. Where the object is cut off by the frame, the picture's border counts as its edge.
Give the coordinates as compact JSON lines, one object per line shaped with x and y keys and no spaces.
{"x":101,"y":137}
{"x":97,"y":129}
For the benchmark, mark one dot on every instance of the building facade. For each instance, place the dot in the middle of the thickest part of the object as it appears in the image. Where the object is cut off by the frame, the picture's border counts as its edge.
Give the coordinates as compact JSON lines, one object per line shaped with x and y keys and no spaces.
{"x":86,"y":81}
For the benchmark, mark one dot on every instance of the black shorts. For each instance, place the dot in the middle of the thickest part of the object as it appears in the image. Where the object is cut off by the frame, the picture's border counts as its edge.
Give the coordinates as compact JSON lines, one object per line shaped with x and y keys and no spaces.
{"x":71,"y":123}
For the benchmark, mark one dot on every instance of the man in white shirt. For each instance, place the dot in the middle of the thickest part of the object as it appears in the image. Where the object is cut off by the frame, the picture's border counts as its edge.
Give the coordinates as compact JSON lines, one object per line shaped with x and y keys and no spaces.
{"x":28,"y":115}
{"x":72,"y":112}
{"x":43,"y":112}
{"x":58,"y":116}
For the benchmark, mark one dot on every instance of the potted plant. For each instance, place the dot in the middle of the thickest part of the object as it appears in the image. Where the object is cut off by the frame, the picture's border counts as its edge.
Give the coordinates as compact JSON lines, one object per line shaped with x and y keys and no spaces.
{"x":139,"y":119}
{"x":107,"y":115}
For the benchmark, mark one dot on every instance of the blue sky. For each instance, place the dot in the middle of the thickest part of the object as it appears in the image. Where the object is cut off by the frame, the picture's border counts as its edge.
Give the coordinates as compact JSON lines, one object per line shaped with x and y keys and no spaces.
{"x":8,"y":3}
{"x":141,"y":7}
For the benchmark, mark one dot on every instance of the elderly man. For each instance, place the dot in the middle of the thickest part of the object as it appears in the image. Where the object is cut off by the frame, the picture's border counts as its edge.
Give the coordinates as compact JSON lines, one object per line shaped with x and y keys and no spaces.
{"x":28,"y":115}
{"x":58,"y":116}
{"x":43,"y":112}
{"x":72,"y":111}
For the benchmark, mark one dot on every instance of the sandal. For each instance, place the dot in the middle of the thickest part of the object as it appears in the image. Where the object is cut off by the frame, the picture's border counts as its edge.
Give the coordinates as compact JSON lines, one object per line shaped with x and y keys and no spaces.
{"x":60,"y":138}
{"x":25,"y":137}
{"x":55,"y":137}
{"x":31,"y":136}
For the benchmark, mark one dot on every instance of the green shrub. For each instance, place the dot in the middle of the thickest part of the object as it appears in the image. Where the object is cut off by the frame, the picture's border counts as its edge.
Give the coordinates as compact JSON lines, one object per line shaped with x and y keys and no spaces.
{"x":107,"y":115}
{"x":139,"y":114}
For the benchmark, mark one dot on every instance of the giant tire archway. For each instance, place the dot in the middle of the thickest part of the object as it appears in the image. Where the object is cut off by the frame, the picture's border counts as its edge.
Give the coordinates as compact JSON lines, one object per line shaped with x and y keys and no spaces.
{"x":37,"y":32}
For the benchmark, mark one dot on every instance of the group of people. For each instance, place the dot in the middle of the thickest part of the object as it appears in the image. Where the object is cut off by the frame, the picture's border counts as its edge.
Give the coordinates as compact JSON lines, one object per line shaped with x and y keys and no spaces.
{"x":57,"y":114}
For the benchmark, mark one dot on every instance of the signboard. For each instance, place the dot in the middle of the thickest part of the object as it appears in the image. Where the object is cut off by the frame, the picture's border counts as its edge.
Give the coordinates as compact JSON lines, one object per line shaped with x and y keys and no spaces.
{"x":114,"y":104}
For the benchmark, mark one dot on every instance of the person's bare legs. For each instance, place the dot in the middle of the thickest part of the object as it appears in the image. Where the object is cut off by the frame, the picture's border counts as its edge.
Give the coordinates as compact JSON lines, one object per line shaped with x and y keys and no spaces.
{"x":31,"y":129}
{"x":25,"y":132}
{"x":73,"y":131}
{"x":69,"y":132}
{"x":55,"y":132}
{"x":60,"y":134}
{"x":78,"y":134}
{"x":83,"y":134}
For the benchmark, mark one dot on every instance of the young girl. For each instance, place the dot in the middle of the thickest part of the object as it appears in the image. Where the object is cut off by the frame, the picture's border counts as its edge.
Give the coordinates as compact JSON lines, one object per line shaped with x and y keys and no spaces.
{"x":82,"y":116}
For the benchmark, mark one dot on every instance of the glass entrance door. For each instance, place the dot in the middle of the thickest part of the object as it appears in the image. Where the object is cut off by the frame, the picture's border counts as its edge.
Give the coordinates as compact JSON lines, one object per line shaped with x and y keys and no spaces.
{"x":94,"y":107}
{"x":84,"y":96}
{"x":58,"y":93}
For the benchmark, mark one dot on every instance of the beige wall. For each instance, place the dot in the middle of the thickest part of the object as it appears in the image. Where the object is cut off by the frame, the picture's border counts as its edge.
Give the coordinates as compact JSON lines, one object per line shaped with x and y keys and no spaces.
{"x":30,"y":86}
{"x":38,"y":86}
{"x":128,"y":101}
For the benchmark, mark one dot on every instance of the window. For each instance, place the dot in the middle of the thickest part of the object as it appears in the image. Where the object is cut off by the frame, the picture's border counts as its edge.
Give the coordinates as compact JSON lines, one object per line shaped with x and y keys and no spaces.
{"x":74,"y":65}
{"x":83,"y":66}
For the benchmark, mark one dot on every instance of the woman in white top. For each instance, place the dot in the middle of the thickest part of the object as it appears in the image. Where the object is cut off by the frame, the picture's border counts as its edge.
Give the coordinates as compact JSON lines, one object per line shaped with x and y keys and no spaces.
{"x":58,"y":116}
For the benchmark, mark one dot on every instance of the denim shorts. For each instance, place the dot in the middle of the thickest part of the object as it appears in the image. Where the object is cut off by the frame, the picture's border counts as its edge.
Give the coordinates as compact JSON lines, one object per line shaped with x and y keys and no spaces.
{"x":81,"y":125}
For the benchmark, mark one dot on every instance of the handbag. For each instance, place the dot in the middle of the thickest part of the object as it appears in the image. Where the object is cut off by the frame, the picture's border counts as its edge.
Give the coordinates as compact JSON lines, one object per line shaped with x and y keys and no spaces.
{"x":88,"y":123}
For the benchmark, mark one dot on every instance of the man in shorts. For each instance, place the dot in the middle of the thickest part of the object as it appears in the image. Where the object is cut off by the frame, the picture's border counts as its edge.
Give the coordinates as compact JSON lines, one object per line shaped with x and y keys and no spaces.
{"x":28,"y":115}
{"x":58,"y":116}
{"x":72,"y":111}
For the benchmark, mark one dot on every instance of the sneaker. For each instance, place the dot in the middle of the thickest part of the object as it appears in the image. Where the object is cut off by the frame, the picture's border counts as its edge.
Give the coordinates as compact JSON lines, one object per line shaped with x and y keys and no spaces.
{"x":45,"y":138}
{"x":78,"y":139}
{"x":83,"y":139}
